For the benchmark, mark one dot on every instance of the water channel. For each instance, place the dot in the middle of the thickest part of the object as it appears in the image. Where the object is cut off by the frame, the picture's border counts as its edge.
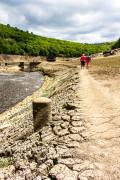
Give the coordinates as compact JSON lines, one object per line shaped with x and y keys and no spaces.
{"x":14,"y":87}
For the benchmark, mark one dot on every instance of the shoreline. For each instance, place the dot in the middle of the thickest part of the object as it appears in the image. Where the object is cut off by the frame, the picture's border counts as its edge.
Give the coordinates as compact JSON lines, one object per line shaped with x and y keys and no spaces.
{"x":16,"y":86}
{"x":20,"y":125}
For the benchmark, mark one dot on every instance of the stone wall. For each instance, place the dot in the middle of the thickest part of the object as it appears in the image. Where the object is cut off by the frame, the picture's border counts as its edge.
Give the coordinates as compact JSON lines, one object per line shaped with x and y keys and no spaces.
{"x":18,"y":58}
{"x":21,"y":58}
{"x":17,"y":122}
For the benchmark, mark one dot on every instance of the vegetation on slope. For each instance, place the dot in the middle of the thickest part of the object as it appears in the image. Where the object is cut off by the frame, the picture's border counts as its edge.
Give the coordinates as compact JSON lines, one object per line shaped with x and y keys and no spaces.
{"x":16,"y":41}
{"x":116,"y":44}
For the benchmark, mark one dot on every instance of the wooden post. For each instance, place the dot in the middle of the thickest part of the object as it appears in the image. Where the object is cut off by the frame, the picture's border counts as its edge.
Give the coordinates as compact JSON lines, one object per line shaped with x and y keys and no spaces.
{"x":41,"y":112}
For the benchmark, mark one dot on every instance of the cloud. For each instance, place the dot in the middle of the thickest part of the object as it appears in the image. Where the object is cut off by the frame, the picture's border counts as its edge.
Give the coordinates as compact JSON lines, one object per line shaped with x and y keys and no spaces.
{"x":82,"y":21}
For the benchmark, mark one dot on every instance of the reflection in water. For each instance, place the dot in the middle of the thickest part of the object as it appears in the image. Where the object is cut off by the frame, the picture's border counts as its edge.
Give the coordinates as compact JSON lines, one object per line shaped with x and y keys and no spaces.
{"x":15,"y":87}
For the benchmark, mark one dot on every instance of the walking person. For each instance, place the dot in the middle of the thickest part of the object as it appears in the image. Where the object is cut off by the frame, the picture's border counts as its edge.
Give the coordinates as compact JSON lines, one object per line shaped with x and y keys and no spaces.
{"x":88,"y":60}
{"x":83,"y":61}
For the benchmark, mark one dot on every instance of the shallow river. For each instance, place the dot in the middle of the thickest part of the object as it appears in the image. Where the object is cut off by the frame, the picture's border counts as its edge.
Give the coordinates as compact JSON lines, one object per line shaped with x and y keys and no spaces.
{"x":15,"y":87}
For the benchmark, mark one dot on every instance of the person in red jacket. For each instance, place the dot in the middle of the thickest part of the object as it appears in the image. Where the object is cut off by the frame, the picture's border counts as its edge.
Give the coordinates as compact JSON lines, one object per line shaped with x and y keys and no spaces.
{"x":88,"y":60}
{"x":83,"y":61}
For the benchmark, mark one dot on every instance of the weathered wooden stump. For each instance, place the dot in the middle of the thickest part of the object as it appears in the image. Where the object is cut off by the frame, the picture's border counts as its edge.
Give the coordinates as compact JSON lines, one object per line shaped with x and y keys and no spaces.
{"x":41,"y":112}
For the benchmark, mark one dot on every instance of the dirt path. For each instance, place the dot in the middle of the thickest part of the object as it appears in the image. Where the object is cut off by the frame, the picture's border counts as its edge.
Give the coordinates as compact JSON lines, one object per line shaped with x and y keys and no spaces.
{"x":102,"y":114}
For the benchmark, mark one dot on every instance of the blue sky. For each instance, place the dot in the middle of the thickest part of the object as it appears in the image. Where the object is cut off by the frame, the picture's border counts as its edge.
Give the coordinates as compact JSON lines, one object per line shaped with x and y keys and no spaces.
{"x":76,"y":20}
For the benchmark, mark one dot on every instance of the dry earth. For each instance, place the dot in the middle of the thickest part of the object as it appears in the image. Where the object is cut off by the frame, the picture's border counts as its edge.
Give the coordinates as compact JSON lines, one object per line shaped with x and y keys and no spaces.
{"x":100,"y":102}
{"x":81,"y":142}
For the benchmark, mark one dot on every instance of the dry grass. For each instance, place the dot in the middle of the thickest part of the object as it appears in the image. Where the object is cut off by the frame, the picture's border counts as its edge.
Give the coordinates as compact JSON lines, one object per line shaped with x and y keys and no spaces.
{"x":108,"y":66}
{"x":49,"y":68}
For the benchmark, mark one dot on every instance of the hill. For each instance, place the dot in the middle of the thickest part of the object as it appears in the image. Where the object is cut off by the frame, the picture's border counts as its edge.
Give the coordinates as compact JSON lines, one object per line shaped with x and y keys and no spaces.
{"x":116,"y":44}
{"x":16,"y":41}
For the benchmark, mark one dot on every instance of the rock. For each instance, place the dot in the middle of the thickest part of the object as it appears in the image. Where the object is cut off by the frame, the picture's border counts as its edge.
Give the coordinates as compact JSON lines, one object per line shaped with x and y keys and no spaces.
{"x":33,"y":166}
{"x":83,"y":166}
{"x":2,"y":176}
{"x":11,"y":169}
{"x":28,"y":174}
{"x":87,"y":174}
{"x":43,"y":169}
{"x":21,"y":165}
{"x":94,"y":174}
{"x":76,"y":118}
{"x":64,"y":125}
{"x":56,"y":129}
{"x":65,"y":118}
{"x":38,"y":178}
{"x":56,"y":123}
{"x":62,"y":172}
{"x":64,"y":152}
{"x":73,"y":144}
{"x":69,"y":162}
{"x":29,"y":154}
{"x":69,"y":106}
{"x":82,"y":178}
{"x":75,"y":130}
{"x":75,"y":137}
{"x":47,"y":136}
{"x":56,"y":118}
{"x":20,"y":177}
{"x":49,"y":163}
{"x":72,"y":113}
{"x":66,"y":140}
{"x":52,"y":153}
{"x":77,"y":123}
{"x":45,"y":178}
{"x":62,"y":132}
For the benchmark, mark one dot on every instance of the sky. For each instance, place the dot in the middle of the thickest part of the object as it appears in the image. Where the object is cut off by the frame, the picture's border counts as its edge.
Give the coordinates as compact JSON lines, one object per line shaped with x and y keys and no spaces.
{"x":86,"y":21}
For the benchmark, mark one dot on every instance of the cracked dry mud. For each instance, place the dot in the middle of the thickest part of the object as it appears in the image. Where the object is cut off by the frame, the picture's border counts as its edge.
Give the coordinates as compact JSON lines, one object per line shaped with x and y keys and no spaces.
{"x":81,"y":142}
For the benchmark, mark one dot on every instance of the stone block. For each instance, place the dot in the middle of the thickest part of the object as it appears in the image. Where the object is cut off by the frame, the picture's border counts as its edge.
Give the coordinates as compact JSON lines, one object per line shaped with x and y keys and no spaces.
{"x":41,"y":112}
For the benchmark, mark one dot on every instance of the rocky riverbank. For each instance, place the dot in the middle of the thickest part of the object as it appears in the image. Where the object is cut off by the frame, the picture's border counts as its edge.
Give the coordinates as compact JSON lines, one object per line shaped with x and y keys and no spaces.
{"x":80,"y":142}
{"x":49,"y":153}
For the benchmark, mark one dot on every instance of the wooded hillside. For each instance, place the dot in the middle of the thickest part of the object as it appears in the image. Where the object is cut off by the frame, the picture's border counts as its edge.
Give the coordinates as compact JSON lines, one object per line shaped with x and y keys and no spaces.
{"x":16,"y":41}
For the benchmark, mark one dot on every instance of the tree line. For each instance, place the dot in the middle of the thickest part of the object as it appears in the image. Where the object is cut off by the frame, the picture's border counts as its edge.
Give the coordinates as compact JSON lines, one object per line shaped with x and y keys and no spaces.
{"x":116,"y":44}
{"x":19,"y":42}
